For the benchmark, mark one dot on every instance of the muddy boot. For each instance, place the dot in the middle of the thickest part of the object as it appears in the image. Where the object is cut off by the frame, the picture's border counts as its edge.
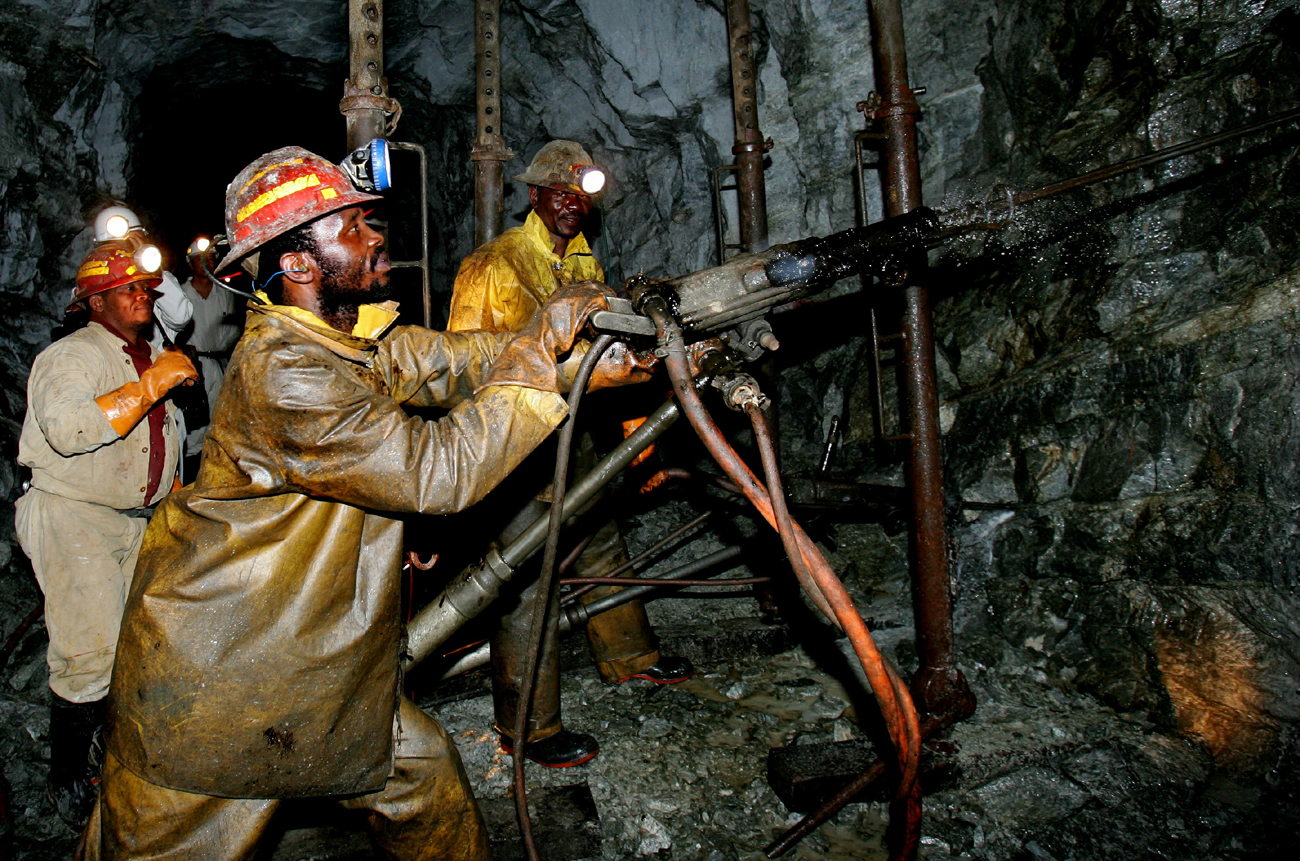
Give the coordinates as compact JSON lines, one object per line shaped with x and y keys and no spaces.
{"x":71,"y":782}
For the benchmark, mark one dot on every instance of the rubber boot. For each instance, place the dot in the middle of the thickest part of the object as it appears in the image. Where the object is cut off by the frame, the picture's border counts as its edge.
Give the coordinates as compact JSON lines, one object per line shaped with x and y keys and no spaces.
{"x":73,"y":770}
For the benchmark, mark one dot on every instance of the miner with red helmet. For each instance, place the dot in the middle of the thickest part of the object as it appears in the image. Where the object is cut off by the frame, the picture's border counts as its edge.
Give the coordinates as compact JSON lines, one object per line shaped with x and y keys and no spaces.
{"x":102,"y":444}
{"x":260,"y":648}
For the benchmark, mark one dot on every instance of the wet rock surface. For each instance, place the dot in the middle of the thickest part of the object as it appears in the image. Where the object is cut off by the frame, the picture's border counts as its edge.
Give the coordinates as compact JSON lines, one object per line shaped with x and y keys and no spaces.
{"x":1038,"y":772}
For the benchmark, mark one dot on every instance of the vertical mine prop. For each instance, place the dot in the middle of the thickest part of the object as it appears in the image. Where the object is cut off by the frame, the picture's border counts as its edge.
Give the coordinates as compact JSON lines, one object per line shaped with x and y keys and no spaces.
{"x":489,"y":153}
{"x":749,"y":147}
{"x":938,"y":686}
{"x":365,"y":93}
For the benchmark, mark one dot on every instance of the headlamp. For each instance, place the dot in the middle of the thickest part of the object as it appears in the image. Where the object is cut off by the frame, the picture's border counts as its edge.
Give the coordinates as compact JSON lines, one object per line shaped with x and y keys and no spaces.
{"x":117,"y":226}
{"x":591,"y":180}
{"x":149,"y":258}
{"x":114,"y":222}
{"x":369,"y":167}
{"x":198,"y":246}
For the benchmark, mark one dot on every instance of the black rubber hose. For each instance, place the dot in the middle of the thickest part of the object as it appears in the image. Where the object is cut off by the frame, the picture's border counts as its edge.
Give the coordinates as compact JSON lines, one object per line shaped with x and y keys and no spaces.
{"x":537,"y":630}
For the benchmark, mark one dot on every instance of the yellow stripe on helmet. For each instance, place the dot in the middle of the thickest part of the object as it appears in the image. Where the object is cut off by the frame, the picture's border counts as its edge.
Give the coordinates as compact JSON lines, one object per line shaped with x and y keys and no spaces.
{"x":282,"y":190}
{"x":93,"y":267}
{"x":261,"y":173}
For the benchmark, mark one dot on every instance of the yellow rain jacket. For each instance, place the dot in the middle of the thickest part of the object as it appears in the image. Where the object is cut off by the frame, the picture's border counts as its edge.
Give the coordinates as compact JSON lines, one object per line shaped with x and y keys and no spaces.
{"x":260,"y":645}
{"x":503,"y":283}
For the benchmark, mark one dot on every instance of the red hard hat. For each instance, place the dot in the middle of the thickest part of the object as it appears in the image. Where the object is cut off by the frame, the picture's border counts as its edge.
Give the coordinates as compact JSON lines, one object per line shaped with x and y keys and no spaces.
{"x":107,"y":266}
{"x":280,"y":191}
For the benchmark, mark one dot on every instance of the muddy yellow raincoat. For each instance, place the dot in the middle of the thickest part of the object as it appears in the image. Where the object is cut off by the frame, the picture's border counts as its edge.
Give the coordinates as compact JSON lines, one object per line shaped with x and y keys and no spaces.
{"x":260,"y":646}
{"x":503,"y":283}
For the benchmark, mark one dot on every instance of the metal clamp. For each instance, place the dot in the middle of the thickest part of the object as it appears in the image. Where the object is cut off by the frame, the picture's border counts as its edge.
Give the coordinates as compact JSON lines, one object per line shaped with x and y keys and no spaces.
{"x":740,"y":391}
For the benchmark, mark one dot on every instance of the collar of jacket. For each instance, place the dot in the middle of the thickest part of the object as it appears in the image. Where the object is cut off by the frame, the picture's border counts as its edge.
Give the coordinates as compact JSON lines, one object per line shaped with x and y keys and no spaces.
{"x":534,"y":227}
{"x":359,"y":346}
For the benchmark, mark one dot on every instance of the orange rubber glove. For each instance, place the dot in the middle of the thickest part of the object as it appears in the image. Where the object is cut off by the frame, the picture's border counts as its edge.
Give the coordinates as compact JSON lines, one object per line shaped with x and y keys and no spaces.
{"x":620,"y":366}
{"x":124,"y":407}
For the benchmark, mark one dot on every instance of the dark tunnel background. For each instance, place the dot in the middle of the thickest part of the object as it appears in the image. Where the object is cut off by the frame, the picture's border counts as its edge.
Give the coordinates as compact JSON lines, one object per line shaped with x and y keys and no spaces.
{"x":1117,"y":370}
{"x":206,"y":115}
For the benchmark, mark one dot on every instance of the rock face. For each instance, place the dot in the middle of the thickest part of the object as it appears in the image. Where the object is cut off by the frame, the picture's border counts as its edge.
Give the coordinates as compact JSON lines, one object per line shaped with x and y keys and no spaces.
{"x":1117,"y":367}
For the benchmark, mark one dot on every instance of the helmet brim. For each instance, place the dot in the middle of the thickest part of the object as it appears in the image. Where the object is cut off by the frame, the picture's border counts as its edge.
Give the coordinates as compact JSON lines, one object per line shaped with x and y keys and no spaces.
{"x":554,"y":185}
{"x":80,"y":300}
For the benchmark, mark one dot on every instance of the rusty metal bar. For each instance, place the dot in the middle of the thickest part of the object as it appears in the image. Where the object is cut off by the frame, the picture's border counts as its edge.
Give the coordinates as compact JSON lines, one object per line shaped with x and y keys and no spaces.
{"x":751,"y":189}
{"x":719,"y":222}
{"x":749,"y":147}
{"x":365,"y":93}
{"x":489,"y":152}
{"x":846,"y":795}
{"x":938,"y":684}
{"x":422,"y":264}
{"x":860,"y":168}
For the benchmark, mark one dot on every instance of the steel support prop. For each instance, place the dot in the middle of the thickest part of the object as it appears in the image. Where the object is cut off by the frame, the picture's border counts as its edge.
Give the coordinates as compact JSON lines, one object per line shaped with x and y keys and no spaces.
{"x":751,"y":189}
{"x":365,"y":93}
{"x":938,"y":685}
{"x":489,"y":152}
{"x":749,"y":147}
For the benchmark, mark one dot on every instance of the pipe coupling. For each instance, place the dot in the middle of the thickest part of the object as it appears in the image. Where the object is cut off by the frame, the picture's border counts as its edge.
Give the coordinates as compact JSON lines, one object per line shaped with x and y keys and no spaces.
{"x":490,"y":148}
{"x":575,"y":614}
{"x":741,"y":147}
{"x":365,"y":100}
{"x":740,"y":391}
{"x":473,"y":590}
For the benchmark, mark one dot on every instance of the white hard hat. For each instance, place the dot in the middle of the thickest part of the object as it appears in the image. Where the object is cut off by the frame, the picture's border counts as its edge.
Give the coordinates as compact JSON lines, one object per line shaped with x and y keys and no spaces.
{"x":115,"y":222}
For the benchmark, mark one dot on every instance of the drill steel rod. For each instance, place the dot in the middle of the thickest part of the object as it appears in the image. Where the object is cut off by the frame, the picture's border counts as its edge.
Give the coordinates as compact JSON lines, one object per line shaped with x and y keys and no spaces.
{"x":471,"y":591}
{"x":1185,"y":148}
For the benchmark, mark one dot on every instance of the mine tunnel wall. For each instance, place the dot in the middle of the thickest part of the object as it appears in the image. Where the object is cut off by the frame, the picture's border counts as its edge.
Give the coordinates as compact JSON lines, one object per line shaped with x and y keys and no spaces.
{"x":1118,"y":369}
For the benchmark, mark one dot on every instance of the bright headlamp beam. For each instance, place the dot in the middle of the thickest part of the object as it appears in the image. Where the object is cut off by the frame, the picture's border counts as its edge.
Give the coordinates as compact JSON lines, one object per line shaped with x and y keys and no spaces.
{"x":593,"y":180}
{"x":149,"y":258}
{"x":117,"y":226}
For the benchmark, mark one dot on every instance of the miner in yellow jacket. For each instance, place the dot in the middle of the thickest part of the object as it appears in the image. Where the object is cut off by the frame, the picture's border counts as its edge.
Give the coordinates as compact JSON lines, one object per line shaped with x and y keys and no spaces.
{"x":499,"y":288}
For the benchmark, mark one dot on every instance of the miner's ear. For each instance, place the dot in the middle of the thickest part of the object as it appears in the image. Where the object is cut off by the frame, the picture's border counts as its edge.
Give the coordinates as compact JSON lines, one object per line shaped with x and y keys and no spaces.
{"x":532,"y":196}
{"x":298,"y":266}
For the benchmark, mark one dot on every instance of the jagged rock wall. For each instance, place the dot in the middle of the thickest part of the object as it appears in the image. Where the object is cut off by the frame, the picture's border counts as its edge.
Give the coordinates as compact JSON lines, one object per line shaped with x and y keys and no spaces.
{"x":1122,"y":370}
{"x":1117,"y":368}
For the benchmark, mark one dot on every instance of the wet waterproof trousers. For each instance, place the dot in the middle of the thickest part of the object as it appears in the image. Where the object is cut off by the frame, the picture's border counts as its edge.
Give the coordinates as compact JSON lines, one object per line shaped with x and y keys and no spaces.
{"x":425,"y":812}
{"x":621,"y":640}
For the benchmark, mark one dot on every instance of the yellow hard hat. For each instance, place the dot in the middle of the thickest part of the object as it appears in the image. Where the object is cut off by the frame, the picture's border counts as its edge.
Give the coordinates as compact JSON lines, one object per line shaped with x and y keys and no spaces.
{"x":564,"y":166}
